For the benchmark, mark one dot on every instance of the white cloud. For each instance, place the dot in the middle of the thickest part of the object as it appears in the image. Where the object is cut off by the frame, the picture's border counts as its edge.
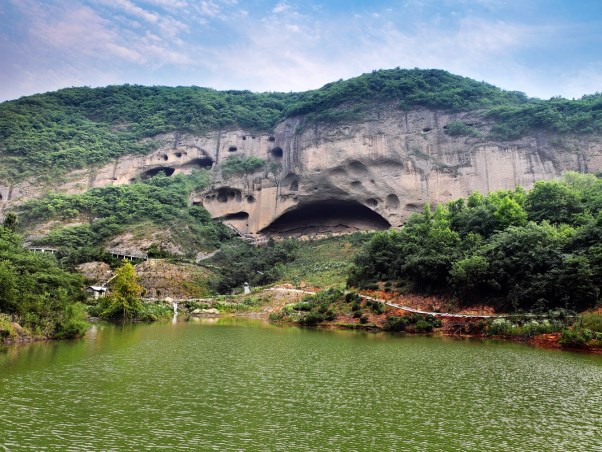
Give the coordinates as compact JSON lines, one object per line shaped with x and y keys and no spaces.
{"x":281,"y":7}
{"x":131,"y":8}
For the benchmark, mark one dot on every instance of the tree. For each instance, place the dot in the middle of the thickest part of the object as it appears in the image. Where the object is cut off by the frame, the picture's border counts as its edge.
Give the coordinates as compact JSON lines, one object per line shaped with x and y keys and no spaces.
{"x":124,"y":299}
{"x":553,"y":201}
{"x":10,"y":221}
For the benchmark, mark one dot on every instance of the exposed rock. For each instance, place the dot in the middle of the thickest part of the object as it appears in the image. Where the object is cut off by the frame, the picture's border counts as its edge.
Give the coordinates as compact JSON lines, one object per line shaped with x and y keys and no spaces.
{"x":343,"y":177}
{"x":161,"y":279}
{"x":97,"y":272}
{"x":206,"y":312}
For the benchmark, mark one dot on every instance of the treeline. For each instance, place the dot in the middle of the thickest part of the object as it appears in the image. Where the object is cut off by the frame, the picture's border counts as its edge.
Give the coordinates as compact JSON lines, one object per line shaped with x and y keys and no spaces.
{"x":105,"y":212}
{"x":49,"y":134}
{"x":77,"y":127}
{"x":516,"y":250}
{"x":37,"y":294}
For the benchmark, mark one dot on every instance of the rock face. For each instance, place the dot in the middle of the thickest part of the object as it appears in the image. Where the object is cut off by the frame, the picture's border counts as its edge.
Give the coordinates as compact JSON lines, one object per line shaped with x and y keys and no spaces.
{"x":370,"y":174}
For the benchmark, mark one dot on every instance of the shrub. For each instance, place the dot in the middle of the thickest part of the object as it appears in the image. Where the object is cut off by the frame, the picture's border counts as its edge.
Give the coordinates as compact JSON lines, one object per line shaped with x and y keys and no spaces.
{"x":592,"y":322}
{"x":424,"y":326}
{"x":363,"y":319}
{"x":395,"y":323}
{"x":378,"y":308}
{"x":460,"y":129}
{"x":312,"y":318}
{"x":241,"y":165}
{"x":500,"y":327}
{"x":276,"y":316}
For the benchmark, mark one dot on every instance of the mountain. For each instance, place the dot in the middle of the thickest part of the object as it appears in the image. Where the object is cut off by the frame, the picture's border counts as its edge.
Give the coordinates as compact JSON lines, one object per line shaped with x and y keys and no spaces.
{"x":362,"y":153}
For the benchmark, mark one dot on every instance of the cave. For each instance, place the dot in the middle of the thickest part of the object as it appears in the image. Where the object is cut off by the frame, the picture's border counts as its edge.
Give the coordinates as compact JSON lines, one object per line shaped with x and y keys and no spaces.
{"x":276,"y":153}
{"x":232,"y":149}
{"x":328,"y":216}
{"x":226,"y":194}
{"x":203,"y":163}
{"x":236,"y":216}
{"x":154,"y":171}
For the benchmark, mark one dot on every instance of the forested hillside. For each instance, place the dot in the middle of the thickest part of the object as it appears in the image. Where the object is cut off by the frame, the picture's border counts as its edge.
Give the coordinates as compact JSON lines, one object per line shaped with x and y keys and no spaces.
{"x":532,"y":251}
{"x":35,"y":292}
{"x":48,"y":134}
{"x":100,"y":214}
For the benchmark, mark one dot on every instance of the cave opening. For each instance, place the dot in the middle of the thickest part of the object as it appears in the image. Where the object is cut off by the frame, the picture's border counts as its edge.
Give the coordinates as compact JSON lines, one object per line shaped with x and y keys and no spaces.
{"x":202,"y":163}
{"x":154,"y":171}
{"x":277,"y":153}
{"x":328,"y":216}
{"x":236,"y":216}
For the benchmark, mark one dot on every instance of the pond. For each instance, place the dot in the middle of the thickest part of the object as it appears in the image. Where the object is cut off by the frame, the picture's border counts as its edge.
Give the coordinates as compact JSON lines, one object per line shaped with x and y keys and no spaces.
{"x":244,"y":384}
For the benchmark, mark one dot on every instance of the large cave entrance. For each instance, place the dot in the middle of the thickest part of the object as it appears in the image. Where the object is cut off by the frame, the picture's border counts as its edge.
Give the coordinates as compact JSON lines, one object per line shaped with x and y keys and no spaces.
{"x":328,"y":216}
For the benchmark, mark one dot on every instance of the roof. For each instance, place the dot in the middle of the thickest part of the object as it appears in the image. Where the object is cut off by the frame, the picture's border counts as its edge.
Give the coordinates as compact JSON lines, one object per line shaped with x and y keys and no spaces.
{"x":98,"y":288}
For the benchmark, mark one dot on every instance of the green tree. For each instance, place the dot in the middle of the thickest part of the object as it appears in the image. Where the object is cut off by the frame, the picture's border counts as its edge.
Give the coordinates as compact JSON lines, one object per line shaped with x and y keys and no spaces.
{"x":10,"y":221}
{"x":124,"y":299}
{"x":553,"y":201}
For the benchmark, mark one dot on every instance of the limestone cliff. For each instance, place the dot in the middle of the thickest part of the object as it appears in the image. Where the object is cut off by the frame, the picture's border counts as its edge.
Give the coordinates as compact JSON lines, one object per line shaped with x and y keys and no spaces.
{"x":366,"y":174}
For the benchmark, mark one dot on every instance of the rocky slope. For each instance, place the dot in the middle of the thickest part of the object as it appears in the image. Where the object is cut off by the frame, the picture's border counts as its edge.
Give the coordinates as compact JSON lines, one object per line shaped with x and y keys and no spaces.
{"x":370,"y":173}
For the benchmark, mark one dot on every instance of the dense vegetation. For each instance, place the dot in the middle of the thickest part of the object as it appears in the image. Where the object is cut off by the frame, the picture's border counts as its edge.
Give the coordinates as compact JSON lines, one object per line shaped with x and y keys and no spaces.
{"x":516,"y":250}
{"x":76,"y":127}
{"x":241,"y":165}
{"x":106,"y":212}
{"x":36,"y":293}
{"x":48,"y":134}
{"x":257,"y":266}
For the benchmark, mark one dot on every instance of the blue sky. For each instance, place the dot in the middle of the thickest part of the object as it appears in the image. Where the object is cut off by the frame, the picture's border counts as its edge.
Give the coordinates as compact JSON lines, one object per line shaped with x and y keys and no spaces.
{"x":544,"y":48}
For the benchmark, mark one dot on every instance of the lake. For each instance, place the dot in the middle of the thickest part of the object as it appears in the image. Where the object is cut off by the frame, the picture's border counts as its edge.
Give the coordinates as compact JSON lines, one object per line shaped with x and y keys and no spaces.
{"x":247,"y":384}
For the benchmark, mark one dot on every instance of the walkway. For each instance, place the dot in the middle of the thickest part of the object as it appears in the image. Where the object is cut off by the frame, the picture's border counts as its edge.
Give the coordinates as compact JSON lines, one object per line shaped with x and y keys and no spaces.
{"x":399,"y":306}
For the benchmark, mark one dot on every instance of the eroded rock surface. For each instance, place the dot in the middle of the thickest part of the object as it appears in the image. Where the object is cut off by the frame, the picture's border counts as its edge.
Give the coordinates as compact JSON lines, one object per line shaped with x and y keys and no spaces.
{"x":343,"y":177}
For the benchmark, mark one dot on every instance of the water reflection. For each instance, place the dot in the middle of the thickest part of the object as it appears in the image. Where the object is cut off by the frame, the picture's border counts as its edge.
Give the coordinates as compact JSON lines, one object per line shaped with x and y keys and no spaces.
{"x":244,"y":384}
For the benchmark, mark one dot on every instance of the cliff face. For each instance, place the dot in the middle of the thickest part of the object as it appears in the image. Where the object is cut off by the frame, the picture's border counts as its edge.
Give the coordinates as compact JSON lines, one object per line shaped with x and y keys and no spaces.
{"x":367,"y":174}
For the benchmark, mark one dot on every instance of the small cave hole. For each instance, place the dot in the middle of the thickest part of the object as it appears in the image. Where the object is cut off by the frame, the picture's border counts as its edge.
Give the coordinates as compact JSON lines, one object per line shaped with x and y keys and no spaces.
{"x":253,"y":137}
{"x":1,"y":197}
{"x":178,"y":154}
{"x":250,"y":199}
{"x":392,"y":202}
{"x":166,"y":157}
{"x":244,"y":138}
{"x":232,"y":149}
{"x":271,"y":138}
{"x":356,"y":183}
{"x":276,"y":153}
{"x":294,"y":186}
{"x":372,"y":202}
{"x":228,"y":194}
{"x":427,"y":129}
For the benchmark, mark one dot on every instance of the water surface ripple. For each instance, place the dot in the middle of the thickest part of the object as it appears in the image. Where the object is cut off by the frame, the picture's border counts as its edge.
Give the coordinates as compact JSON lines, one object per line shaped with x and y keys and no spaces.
{"x":249,"y":385}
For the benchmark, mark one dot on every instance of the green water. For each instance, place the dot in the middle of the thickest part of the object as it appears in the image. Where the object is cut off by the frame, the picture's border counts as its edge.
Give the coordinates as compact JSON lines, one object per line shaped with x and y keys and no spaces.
{"x":236,"y":384}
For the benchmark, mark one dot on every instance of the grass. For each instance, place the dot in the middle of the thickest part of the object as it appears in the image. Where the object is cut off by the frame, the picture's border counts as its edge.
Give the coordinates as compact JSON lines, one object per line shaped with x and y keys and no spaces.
{"x":323,"y":263}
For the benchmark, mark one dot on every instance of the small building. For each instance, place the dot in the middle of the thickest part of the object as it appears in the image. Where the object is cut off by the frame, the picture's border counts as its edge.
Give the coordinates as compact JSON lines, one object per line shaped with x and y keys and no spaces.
{"x":246,"y":288}
{"x":97,"y":291}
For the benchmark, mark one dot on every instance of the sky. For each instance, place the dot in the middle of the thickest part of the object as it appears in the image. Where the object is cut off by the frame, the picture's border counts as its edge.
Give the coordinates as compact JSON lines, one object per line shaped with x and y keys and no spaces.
{"x":544,"y":48}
